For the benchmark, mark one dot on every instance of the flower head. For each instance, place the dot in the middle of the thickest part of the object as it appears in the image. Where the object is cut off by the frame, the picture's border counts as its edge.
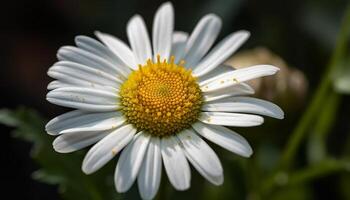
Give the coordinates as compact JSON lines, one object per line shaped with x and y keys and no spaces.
{"x":155,"y":103}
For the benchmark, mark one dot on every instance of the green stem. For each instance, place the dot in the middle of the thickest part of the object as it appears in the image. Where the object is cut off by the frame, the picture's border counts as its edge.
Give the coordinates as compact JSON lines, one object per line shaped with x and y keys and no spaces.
{"x":319,"y":96}
{"x":316,"y":143}
{"x":321,"y":169}
{"x":310,"y":173}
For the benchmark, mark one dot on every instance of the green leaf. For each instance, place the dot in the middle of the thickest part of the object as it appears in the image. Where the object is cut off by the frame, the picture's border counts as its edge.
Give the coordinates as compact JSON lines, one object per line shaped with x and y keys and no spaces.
{"x":61,"y":169}
{"x":7,"y":117}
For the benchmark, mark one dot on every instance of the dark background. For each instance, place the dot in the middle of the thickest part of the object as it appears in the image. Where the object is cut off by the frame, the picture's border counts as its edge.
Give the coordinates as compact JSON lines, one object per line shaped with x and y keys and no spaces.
{"x":302,"y":32}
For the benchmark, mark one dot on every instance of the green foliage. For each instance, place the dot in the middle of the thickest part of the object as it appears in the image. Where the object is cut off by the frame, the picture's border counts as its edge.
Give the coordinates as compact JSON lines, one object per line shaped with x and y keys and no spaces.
{"x":61,"y":169}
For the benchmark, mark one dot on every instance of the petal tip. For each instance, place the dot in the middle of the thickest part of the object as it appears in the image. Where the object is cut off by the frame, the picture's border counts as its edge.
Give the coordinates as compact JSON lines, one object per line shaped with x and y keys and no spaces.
{"x":166,"y":5}
{"x":243,"y":34}
{"x":219,"y":181}
{"x":281,"y":115}
{"x":247,"y":152}
{"x":99,"y":34}
{"x":119,"y":187}
{"x":272,"y":67}
{"x":86,"y":170}
{"x":213,"y":16}
{"x":135,"y":17}
{"x":182,"y":188}
{"x":78,"y":38}
{"x":56,"y":147}
{"x":50,"y":132}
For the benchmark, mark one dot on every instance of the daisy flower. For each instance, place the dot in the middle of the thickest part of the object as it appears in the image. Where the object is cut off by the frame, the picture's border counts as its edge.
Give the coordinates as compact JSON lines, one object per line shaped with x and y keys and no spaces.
{"x":155,"y":102}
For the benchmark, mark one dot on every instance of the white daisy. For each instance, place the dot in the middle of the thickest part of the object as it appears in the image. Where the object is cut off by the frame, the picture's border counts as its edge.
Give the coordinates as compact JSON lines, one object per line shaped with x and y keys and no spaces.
{"x":155,"y":103}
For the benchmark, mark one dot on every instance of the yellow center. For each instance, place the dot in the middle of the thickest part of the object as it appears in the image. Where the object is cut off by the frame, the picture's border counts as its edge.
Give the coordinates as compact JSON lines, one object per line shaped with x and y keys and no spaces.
{"x":161,"y":98}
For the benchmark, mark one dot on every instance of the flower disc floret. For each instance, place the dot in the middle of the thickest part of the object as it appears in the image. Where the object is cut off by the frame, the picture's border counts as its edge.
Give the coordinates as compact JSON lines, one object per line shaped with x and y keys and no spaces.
{"x":161,"y":98}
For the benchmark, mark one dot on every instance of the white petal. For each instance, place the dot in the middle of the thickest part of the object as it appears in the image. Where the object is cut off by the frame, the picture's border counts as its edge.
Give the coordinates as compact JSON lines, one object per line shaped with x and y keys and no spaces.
{"x":175,"y":163}
{"x":59,"y":123}
{"x":178,"y":45}
{"x":111,"y":122}
{"x":151,"y":170}
{"x":218,"y":71}
{"x":91,"y":45}
{"x":202,"y":157}
{"x":87,"y":99}
{"x":163,"y":27}
{"x":58,"y":84}
{"x":74,"y":54}
{"x":240,"y":75}
{"x":245,"y":105}
{"x":71,"y":142}
{"x":235,"y":90}
{"x":231,"y":119}
{"x":201,"y":39}
{"x":119,"y":48}
{"x":139,"y":39}
{"x":130,"y":162}
{"x":68,"y":81}
{"x":71,"y":80}
{"x":82,"y":121}
{"x":224,"y":137}
{"x":107,"y":148}
{"x":221,"y":52}
{"x":71,"y":72}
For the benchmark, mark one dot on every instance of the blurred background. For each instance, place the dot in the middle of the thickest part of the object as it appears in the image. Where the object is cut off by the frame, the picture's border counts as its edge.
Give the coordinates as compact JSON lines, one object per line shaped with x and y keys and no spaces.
{"x":304,"y":156}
